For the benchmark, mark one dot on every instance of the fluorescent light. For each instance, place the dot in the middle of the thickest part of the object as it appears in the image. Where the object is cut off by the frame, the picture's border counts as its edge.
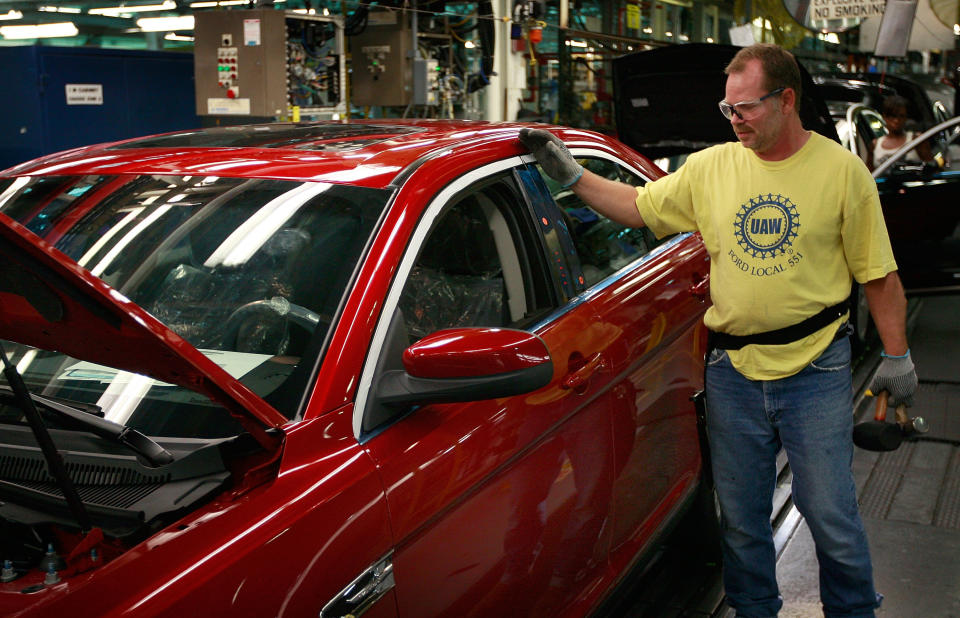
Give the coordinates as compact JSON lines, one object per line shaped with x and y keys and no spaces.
{"x":59,"y":9}
{"x":170,"y":36}
{"x":11,"y":14}
{"x":205,"y":4}
{"x":41,"y":31}
{"x":165,"y":24}
{"x":116,"y":11}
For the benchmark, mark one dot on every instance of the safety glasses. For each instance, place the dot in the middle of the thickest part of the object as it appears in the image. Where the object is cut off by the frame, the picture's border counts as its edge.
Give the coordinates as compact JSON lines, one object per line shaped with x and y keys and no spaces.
{"x":744,"y":110}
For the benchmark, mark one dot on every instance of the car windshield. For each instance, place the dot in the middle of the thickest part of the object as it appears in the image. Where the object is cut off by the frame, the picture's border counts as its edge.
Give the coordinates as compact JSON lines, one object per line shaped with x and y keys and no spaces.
{"x":249,"y":271}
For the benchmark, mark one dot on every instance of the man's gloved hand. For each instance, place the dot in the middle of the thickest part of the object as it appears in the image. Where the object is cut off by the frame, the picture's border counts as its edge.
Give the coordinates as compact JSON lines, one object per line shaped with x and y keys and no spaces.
{"x":897,"y":376}
{"x":552,"y":155}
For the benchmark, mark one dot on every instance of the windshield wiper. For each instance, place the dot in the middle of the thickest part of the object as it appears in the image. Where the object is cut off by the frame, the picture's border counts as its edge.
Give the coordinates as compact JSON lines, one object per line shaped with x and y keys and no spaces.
{"x":84,"y":419}
{"x":54,"y":462}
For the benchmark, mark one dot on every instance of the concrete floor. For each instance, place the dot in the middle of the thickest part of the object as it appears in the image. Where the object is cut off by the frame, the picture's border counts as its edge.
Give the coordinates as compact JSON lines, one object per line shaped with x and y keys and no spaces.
{"x":909,"y":498}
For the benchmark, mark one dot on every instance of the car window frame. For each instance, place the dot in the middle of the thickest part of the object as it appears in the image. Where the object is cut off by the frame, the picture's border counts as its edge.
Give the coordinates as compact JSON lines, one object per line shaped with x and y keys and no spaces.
{"x":381,"y":339}
{"x":859,"y":116}
{"x":897,"y":157}
{"x":662,"y":245}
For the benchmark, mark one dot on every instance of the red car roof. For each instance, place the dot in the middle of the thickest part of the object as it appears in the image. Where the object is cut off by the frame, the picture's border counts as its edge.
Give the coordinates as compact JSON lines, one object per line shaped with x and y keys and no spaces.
{"x":369,"y":153}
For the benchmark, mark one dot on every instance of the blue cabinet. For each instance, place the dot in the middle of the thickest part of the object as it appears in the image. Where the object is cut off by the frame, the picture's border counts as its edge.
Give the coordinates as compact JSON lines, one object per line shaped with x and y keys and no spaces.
{"x":129,"y":93}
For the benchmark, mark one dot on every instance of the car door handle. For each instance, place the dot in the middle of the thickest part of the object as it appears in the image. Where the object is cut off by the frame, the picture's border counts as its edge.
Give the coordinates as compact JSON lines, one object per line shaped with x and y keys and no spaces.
{"x":577,"y":380}
{"x":700,"y":287}
{"x":362,"y":592}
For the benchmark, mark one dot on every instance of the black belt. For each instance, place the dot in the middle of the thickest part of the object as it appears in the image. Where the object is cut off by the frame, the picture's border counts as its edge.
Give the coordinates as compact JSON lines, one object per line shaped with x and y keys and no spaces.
{"x":780,"y":336}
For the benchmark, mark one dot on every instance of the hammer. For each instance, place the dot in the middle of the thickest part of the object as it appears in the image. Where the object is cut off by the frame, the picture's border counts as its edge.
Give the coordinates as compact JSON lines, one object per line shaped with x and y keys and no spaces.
{"x":879,"y":435}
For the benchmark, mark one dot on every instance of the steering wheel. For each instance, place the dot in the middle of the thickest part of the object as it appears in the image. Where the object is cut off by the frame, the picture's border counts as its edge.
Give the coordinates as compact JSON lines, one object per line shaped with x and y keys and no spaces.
{"x":263,"y":326}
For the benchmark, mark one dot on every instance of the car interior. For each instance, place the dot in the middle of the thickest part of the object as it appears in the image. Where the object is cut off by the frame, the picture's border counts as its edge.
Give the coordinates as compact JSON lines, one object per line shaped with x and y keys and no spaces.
{"x":458,"y":279}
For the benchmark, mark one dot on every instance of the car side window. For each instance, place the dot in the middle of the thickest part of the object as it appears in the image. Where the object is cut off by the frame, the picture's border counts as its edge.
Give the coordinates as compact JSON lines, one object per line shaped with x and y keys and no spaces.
{"x":480,"y":264}
{"x":474,"y":268}
{"x":602,"y":245}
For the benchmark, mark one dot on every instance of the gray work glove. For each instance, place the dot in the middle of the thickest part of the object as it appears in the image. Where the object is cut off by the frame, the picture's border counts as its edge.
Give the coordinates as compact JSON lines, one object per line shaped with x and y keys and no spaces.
{"x":897,"y":376}
{"x":552,"y":155}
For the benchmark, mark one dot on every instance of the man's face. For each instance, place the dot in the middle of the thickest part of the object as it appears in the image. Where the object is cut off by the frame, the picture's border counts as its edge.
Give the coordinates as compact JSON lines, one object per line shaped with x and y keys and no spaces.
{"x":761,"y":125}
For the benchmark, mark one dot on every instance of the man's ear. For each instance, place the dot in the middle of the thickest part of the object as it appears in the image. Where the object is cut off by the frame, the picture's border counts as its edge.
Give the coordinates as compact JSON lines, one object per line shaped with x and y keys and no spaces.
{"x":788,"y":99}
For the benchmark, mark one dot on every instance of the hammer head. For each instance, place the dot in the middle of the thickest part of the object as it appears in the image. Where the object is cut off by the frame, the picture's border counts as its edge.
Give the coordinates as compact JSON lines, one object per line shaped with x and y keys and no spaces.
{"x":877,"y":436}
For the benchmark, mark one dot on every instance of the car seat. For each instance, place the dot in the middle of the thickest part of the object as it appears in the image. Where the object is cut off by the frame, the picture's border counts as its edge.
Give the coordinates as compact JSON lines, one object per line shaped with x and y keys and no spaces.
{"x":457,"y":280}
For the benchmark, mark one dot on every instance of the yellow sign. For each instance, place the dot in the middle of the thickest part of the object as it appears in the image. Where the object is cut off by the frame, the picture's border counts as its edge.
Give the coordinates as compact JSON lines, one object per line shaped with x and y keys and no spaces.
{"x":633,"y":17}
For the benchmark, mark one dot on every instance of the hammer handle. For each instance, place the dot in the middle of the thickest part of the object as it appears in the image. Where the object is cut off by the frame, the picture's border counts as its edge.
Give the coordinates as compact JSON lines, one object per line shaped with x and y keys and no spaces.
{"x":881,"y":411}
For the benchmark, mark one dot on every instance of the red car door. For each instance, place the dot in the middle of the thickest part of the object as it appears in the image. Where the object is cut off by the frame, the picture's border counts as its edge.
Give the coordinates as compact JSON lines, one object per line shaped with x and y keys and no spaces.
{"x":649,"y":297}
{"x":498,"y":507}
{"x":658,"y":364}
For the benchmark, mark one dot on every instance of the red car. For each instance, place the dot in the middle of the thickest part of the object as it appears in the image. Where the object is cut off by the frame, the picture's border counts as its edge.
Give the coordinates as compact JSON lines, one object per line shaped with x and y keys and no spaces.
{"x":327,"y":369}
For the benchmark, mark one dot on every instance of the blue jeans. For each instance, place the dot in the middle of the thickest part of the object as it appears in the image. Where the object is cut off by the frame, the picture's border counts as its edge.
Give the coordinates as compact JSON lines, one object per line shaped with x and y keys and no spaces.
{"x":810,"y":415}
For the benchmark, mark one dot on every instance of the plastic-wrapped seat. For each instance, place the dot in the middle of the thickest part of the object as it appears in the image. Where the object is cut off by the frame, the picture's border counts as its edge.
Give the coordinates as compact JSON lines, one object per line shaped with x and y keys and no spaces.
{"x":200,"y":303}
{"x":457,"y":280}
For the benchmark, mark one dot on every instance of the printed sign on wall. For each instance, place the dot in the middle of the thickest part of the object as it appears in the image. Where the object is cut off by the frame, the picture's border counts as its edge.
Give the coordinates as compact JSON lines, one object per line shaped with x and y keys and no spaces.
{"x":84,"y":94}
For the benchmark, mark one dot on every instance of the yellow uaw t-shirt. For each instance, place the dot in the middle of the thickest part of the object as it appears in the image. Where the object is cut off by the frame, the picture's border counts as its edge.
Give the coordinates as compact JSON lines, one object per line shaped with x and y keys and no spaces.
{"x":784,"y":238}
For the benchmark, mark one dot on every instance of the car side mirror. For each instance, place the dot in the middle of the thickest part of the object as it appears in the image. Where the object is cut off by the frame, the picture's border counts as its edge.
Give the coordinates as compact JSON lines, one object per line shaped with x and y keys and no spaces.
{"x":467,"y":364}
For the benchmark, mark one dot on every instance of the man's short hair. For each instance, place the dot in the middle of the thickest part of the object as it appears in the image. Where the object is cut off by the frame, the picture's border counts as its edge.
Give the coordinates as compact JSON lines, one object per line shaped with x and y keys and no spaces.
{"x":780,"y":68}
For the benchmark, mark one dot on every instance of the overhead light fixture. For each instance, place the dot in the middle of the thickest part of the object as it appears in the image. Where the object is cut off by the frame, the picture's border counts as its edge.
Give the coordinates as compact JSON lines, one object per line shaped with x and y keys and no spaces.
{"x":172,"y":36}
{"x":165,"y":24}
{"x":40,"y":31}
{"x":205,"y":4}
{"x":59,"y":9}
{"x":116,"y":11}
{"x":11,"y":14}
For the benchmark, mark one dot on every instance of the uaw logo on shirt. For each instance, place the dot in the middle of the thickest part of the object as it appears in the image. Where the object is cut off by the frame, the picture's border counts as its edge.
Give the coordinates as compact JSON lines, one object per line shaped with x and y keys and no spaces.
{"x":765,"y":228}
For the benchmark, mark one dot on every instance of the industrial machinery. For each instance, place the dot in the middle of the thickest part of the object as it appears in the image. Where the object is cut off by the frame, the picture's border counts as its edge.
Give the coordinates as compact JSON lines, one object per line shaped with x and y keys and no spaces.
{"x":264,"y":62}
{"x":392,"y":63}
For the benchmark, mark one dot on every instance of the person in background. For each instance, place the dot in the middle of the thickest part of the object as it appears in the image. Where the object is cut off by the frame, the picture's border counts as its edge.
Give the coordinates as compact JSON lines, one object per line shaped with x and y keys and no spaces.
{"x":788,"y":217}
{"x":894,"y":111}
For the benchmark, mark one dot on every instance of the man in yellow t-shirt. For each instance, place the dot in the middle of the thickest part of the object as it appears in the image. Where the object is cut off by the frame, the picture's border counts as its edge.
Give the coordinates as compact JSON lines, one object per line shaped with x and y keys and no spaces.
{"x":789,"y":218}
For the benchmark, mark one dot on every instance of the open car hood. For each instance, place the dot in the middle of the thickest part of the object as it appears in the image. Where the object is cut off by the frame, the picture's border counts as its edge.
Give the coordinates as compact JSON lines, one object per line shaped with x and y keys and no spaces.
{"x":49,"y":301}
{"x":666,"y":99}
